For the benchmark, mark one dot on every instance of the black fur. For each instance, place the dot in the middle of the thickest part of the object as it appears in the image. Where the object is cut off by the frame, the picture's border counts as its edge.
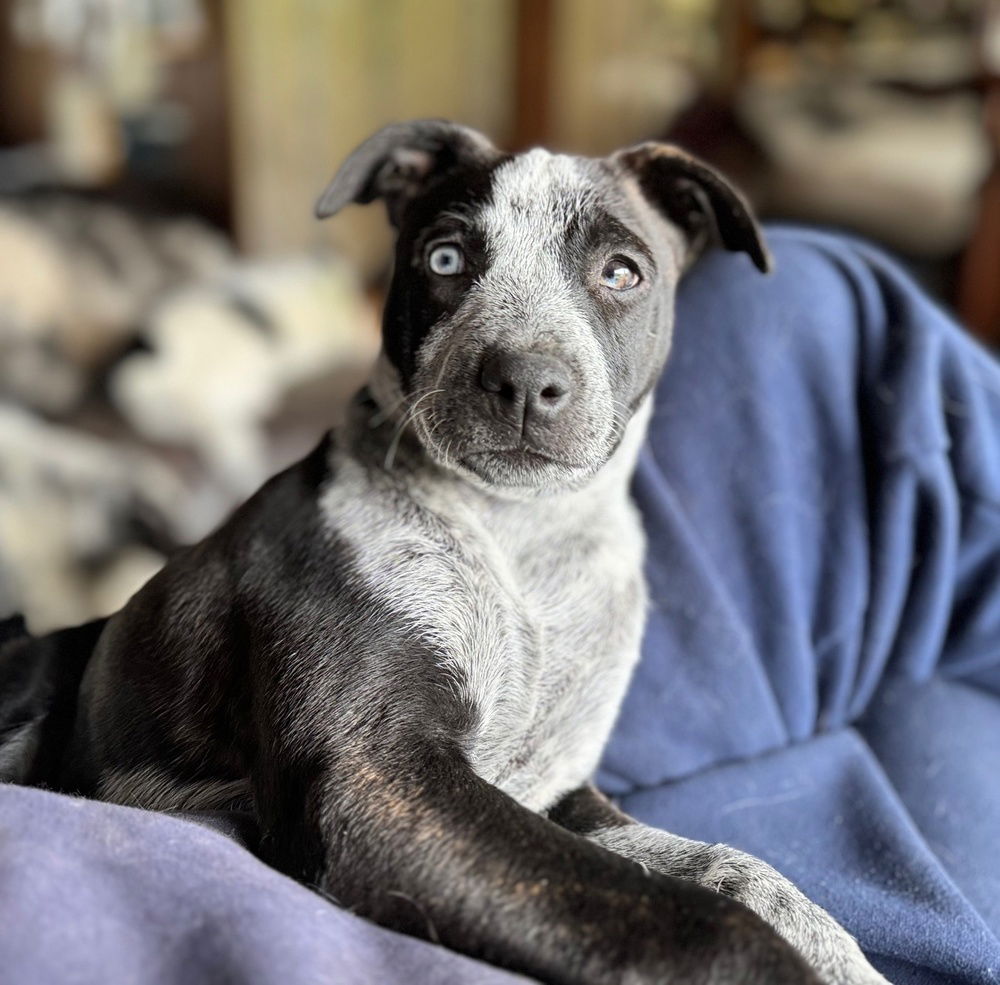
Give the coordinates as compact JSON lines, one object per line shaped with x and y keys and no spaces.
{"x":414,"y":302}
{"x":359,"y":782}
{"x":259,"y":663}
{"x":39,"y":681}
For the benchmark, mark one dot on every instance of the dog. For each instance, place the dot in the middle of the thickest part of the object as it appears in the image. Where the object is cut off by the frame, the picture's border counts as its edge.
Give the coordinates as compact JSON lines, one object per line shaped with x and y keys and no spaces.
{"x":405,"y":653}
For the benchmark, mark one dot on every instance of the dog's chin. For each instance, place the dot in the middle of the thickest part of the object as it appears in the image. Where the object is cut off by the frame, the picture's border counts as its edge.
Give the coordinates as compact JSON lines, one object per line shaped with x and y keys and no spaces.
{"x":521,"y":471}
{"x":515,"y":467}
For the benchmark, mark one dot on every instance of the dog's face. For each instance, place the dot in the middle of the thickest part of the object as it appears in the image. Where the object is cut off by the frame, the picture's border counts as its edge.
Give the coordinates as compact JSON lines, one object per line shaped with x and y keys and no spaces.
{"x":531,"y":306}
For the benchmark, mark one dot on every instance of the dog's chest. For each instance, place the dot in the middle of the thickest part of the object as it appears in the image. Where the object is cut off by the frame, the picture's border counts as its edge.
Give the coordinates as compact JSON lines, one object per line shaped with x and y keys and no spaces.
{"x":582,"y":594}
{"x":535,"y":610}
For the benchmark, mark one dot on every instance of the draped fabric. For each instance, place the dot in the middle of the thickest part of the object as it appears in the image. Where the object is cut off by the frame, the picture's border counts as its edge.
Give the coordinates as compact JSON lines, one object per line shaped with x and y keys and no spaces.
{"x":820,"y":681}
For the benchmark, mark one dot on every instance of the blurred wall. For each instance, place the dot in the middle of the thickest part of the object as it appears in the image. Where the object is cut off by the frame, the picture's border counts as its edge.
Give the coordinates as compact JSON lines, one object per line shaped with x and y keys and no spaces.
{"x":309,"y":79}
{"x":621,"y":72}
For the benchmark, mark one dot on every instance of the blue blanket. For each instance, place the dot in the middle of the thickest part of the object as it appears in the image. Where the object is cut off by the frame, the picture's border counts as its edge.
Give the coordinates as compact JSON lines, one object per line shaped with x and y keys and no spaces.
{"x":820,"y":682}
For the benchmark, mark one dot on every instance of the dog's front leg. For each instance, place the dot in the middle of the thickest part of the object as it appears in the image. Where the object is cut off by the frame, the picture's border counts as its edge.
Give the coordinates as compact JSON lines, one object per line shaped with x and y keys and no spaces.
{"x":808,"y":927}
{"x":401,"y":830}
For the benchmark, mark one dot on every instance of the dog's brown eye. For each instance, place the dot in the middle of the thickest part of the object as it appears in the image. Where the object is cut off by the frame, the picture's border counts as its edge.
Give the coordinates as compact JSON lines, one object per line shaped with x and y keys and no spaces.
{"x":619,"y":274}
{"x":446,"y":260}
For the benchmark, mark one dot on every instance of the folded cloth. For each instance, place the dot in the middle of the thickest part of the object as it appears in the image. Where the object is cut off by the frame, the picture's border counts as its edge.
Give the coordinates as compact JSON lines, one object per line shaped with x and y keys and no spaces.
{"x":820,"y":681}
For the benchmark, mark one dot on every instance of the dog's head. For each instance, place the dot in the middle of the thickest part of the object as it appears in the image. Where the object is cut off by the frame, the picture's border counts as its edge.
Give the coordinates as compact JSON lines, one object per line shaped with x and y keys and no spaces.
{"x":531,"y":305}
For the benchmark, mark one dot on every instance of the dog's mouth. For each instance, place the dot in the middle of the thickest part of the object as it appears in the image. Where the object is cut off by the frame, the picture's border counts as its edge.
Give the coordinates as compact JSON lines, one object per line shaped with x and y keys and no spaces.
{"x":519,"y":455}
{"x":521,"y":465}
{"x":461,"y":432}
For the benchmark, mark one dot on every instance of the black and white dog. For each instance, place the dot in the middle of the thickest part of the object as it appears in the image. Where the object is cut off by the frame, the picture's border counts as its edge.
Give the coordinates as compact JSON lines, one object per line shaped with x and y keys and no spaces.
{"x":405,"y":653}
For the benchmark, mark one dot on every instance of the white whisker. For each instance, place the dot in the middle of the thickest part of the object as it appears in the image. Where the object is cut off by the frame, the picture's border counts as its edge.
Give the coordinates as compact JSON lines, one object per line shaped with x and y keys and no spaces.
{"x":407,"y":418}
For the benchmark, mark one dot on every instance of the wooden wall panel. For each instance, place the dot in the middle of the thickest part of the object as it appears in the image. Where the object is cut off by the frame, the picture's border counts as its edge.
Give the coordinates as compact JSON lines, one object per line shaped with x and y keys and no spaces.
{"x":310,"y":78}
{"x":621,"y":71}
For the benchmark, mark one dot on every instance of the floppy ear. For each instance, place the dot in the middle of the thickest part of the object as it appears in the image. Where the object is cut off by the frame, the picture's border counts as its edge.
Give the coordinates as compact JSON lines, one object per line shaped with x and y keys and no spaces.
{"x":396,"y":162}
{"x":695,"y":197}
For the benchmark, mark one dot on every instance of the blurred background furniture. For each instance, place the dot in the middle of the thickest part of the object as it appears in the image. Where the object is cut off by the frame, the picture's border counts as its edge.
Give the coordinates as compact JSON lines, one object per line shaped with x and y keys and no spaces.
{"x":167,"y":298}
{"x":978,"y":290}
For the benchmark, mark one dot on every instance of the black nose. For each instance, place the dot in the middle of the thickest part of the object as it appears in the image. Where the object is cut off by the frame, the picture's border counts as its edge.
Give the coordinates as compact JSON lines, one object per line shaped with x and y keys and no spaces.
{"x":526,"y":385}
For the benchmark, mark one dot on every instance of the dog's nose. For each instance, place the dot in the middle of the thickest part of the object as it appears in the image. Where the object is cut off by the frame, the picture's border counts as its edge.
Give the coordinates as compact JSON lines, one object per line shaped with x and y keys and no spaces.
{"x":525,"y":385}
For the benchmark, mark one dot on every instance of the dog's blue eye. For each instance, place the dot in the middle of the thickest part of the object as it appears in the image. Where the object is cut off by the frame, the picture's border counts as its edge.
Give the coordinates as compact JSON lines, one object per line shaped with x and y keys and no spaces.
{"x":446,"y":260}
{"x":619,"y":274}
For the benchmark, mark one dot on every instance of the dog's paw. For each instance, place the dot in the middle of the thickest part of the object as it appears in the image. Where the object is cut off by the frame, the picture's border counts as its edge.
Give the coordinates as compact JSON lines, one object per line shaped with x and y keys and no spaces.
{"x":853,"y":971}
{"x":828,"y":948}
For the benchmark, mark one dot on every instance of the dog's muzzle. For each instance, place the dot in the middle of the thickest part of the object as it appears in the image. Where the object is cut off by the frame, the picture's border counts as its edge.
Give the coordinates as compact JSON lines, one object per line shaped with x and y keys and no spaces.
{"x":518,"y":417}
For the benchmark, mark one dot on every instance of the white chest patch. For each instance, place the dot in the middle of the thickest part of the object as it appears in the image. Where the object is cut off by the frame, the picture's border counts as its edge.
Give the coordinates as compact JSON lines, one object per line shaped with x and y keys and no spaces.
{"x":536,"y":608}
{"x":534,"y":200}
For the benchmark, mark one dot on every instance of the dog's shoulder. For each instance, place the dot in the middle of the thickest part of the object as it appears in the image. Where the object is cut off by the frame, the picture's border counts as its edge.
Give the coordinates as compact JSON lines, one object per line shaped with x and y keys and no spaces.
{"x":288,"y":499}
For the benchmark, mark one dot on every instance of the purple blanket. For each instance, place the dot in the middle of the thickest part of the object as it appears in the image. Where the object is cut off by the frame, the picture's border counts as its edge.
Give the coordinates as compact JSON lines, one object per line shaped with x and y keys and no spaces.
{"x":94,"y":893}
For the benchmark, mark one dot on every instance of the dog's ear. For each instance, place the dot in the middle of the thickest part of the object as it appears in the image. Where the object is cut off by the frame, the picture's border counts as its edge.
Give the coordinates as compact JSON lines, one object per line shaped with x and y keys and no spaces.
{"x":695,"y":197}
{"x":397,"y":162}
